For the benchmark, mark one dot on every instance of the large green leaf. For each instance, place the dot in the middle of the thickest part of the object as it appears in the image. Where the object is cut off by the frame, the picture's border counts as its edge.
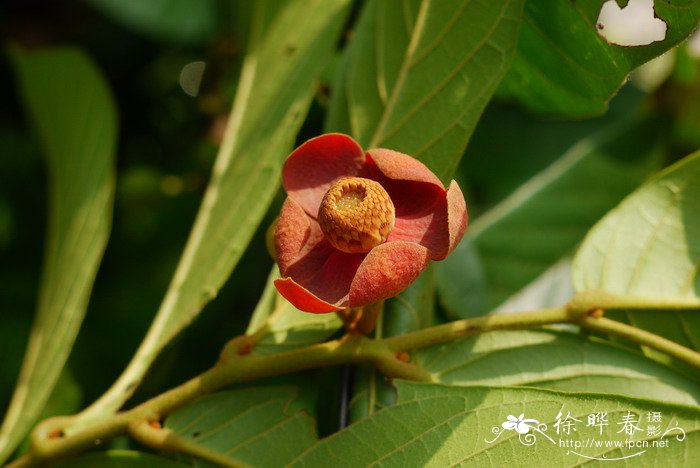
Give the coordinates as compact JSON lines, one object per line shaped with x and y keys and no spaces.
{"x":563,"y":67}
{"x":649,"y":247}
{"x":558,"y":361}
{"x":259,"y":426}
{"x":290,"y":43}
{"x":119,"y":459}
{"x":184,"y":21}
{"x":435,"y":425}
{"x":418,"y":74}
{"x":548,"y":216}
{"x":75,"y":119}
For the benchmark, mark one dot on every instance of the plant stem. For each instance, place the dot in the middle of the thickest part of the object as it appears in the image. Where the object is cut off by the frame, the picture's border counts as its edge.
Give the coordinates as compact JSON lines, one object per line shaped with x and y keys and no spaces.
{"x":461,"y":328}
{"x":634,"y":334}
{"x":384,"y":354}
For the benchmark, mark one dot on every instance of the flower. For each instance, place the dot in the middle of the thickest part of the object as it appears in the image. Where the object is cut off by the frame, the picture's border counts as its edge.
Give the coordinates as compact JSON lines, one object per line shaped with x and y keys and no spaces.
{"x":522,"y":426}
{"x":357,"y":227}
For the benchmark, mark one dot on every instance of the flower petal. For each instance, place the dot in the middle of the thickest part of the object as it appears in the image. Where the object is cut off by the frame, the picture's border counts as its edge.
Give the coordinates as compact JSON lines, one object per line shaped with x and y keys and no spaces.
{"x":457,"y":216}
{"x":413,"y":189}
{"x":386,"y":271}
{"x":509,"y":425}
{"x":292,"y":233}
{"x":311,"y":168}
{"x":325,"y":273}
{"x":399,"y":166}
{"x":301,"y":298}
{"x":439,"y":228}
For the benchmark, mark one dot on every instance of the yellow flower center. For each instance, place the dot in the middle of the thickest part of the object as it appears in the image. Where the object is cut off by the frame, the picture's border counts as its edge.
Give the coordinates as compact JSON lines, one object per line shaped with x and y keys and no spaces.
{"x":356,"y":214}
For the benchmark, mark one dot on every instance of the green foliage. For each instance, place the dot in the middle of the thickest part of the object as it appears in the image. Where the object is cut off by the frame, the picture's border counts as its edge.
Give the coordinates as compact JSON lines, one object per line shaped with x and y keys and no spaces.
{"x":649,"y":247}
{"x":413,"y":76}
{"x":564,"y":68}
{"x":435,"y":425}
{"x":266,"y":115}
{"x":548,"y":215}
{"x":558,"y":361}
{"x":256,"y":426}
{"x":118,"y":459}
{"x":75,"y":120}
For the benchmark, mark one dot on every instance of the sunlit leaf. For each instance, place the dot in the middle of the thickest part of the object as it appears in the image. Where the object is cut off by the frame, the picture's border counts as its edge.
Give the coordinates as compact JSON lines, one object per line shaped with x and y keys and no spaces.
{"x":119,"y":459}
{"x":564,"y":67}
{"x":649,"y":247}
{"x":75,"y":119}
{"x":558,"y":361}
{"x":544,"y":219}
{"x":418,"y":74}
{"x":259,"y":426}
{"x":436,"y":425}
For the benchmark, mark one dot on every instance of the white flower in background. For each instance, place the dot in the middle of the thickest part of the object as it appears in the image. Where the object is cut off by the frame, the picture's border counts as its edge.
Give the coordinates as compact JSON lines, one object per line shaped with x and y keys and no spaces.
{"x":633,"y":25}
{"x":519,"y":424}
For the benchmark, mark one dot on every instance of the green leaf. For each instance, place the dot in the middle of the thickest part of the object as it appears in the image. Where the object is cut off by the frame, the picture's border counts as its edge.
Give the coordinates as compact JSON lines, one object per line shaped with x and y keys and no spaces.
{"x":280,"y":68}
{"x":649,"y":247}
{"x":182,"y":21}
{"x":260,"y":426}
{"x":75,"y":119}
{"x":279,"y":326}
{"x":418,"y":74}
{"x":410,"y":310}
{"x":558,"y":361}
{"x":436,"y":425}
{"x":119,"y":459}
{"x":493,"y":167}
{"x":548,"y":216}
{"x":563,"y":67}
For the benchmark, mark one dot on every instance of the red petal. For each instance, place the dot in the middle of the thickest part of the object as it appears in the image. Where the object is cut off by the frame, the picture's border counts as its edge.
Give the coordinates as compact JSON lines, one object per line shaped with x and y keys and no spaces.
{"x":418,"y":196}
{"x":327,"y":278}
{"x":301,"y":298}
{"x":297,"y":235}
{"x":439,"y":227}
{"x":399,"y":166}
{"x":386,"y":271}
{"x":311,"y":168}
{"x":308,"y":259}
{"x":457,"y":215}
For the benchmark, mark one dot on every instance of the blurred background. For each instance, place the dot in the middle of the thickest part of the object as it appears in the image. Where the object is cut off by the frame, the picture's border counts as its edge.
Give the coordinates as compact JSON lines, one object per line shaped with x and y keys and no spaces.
{"x":173,"y":76}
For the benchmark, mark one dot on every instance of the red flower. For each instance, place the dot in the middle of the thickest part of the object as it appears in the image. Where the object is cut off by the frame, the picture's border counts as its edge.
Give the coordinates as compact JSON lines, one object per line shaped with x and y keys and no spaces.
{"x":360,"y":227}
